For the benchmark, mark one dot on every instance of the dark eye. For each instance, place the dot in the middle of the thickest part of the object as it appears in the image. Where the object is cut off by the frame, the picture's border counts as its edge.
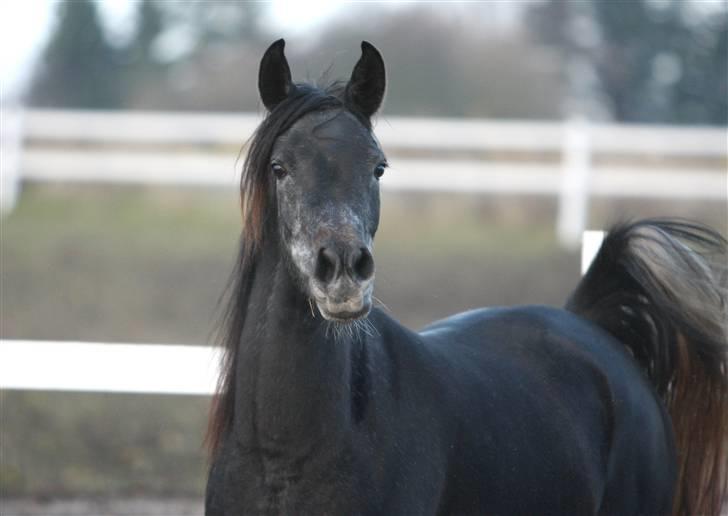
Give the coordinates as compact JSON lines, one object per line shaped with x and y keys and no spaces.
{"x":278,"y":170}
{"x":379,"y":171}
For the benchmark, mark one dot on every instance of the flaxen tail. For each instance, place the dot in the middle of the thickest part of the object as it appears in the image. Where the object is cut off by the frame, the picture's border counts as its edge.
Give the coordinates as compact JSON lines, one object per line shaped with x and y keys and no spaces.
{"x":659,"y":286}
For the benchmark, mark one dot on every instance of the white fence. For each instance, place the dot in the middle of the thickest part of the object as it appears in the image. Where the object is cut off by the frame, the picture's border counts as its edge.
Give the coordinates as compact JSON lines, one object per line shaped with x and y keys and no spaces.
{"x":570,"y":160}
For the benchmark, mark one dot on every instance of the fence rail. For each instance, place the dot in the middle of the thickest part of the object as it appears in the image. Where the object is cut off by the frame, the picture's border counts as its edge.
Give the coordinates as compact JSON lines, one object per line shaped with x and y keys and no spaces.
{"x":434,"y":134}
{"x":571,"y":160}
{"x":107,"y":367}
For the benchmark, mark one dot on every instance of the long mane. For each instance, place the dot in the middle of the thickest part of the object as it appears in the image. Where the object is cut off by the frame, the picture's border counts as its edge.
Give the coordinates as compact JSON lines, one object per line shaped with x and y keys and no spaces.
{"x":257,"y":197}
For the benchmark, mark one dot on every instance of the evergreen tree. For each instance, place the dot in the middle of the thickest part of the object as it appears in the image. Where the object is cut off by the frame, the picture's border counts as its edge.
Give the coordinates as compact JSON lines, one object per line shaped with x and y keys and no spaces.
{"x":149,"y":26}
{"x":79,"y":69}
{"x":701,"y":93}
{"x":653,"y":62}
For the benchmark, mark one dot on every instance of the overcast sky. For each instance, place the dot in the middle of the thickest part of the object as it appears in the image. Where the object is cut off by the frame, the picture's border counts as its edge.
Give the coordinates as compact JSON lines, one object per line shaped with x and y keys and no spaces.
{"x":25,"y":27}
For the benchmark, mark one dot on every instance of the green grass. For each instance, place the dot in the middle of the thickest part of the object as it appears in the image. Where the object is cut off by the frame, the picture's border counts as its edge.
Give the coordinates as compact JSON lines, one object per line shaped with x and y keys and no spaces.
{"x":66,"y":444}
{"x":145,"y":264}
{"x":115,"y":264}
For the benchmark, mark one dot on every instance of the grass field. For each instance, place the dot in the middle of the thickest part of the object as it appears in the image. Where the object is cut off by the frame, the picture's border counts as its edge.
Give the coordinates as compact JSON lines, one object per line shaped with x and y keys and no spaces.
{"x":148,"y":264}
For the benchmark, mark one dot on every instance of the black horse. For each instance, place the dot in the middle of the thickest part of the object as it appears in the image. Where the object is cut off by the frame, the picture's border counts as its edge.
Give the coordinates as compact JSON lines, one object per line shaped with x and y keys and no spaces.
{"x":617,"y":404}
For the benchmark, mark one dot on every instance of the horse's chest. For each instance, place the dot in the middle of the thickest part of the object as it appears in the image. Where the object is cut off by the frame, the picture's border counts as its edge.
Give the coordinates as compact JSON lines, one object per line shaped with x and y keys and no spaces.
{"x":265,"y":481}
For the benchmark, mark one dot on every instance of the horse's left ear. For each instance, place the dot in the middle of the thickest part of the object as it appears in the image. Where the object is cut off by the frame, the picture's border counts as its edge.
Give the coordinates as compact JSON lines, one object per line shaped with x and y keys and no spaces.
{"x":365,"y":89}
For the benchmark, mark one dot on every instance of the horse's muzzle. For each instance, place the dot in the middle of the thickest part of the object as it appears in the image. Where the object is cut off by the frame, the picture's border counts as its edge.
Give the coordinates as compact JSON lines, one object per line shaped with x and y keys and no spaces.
{"x":343,"y":281}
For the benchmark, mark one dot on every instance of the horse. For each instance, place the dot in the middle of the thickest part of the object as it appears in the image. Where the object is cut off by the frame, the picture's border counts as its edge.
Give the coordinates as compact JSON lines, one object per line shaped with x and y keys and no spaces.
{"x":616,"y":403}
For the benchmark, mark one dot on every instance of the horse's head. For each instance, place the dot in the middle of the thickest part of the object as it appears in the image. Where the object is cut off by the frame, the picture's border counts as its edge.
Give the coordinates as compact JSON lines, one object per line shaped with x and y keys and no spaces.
{"x":326,"y":168}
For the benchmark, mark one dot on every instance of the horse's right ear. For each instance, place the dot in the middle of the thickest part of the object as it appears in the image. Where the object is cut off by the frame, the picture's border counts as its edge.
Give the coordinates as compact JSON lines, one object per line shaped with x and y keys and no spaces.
{"x":274,"y":76}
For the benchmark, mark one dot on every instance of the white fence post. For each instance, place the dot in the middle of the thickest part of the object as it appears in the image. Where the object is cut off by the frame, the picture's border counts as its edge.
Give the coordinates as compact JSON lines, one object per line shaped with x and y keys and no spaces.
{"x":11,"y":140}
{"x":590,"y":245}
{"x":575,"y":176}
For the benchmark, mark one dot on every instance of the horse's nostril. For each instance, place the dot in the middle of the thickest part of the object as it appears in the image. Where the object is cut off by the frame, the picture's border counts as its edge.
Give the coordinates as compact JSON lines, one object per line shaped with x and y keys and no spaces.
{"x":327,"y":265}
{"x":362,"y":264}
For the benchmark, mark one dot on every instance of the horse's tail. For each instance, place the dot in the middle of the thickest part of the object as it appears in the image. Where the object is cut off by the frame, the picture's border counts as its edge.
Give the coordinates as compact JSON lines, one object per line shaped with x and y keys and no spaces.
{"x":654,"y":286}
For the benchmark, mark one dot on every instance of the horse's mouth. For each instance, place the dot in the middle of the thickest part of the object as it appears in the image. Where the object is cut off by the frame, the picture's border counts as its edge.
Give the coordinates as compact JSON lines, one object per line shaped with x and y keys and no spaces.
{"x":344,"y":315}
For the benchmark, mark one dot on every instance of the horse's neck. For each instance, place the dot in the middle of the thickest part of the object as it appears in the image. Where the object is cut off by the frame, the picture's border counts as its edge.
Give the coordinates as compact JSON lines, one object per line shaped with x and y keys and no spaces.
{"x":292,"y":388}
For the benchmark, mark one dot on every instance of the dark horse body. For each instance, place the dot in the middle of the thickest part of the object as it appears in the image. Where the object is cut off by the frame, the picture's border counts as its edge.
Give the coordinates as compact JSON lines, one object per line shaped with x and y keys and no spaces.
{"x":328,"y":407}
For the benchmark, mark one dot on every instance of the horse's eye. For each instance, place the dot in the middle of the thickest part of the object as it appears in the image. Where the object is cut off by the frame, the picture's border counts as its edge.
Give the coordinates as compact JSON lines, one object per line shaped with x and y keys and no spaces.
{"x":278,"y":170}
{"x":379,"y":171}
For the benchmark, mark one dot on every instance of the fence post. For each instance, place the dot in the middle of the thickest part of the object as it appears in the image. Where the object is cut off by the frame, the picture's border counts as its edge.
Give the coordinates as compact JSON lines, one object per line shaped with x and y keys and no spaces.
{"x":11,"y":140}
{"x":574,"y":189}
{"x":590,"y":245}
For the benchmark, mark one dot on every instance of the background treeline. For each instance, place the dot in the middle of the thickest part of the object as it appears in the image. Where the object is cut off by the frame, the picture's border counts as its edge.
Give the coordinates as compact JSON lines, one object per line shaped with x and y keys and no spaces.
{"x":649,"y":61}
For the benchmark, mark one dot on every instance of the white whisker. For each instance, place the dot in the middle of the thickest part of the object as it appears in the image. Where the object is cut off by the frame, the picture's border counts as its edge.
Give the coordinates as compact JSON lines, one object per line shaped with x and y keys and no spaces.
{"x":310,"y":305}
{"x":381,"y":303}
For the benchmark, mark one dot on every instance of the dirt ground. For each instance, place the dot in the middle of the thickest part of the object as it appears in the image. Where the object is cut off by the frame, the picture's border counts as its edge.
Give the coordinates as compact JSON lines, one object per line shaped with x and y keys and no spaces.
{"x":99,"y":507}
{"x":120,"y":507}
